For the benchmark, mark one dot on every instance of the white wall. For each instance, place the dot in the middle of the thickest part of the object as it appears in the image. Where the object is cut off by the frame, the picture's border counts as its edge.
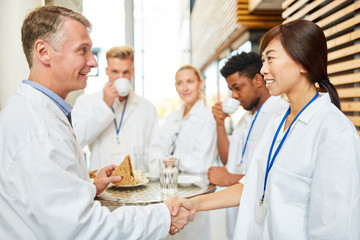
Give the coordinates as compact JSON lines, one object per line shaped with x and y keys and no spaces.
{"x":13,"y":65}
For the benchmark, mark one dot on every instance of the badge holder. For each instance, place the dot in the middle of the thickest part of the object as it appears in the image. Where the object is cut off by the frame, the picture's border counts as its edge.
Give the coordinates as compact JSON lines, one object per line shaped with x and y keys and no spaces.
{"x":260,"y":212}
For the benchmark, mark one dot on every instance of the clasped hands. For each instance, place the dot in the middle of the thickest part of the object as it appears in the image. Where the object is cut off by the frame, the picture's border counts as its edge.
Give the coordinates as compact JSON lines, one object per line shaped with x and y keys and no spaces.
{"x":182,"y":211}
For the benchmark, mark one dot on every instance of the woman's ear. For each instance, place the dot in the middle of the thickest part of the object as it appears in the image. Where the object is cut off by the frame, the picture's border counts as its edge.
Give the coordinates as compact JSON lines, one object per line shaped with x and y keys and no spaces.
{"x":41,"y":51}
{"x":201,"y":84}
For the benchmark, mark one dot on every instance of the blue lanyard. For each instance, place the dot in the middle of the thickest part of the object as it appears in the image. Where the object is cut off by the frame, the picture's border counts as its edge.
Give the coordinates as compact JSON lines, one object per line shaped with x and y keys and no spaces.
{"x":122,"y":116}
{"x":247,"y":138}
{"x":270,"y":160}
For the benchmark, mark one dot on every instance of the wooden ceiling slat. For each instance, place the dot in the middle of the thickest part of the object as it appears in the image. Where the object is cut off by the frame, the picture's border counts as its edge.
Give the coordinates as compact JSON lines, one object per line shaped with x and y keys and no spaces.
{"x":345,"y":79}
{"x":349,"y":92}
{"x":324,"y":10}
{"x":259,"y":18}
{"x":343,"y":39}
{"x":343,"y":66}
{"x":267,"y":12}
{"x":339,"y":14}
{"x":294,"y":8}
{"x":347,"y":51}
{"x":355,"y":120}
{"x":287,"y":3}
{"x":304,"y":11}
{"x":342,"y":26}
{"x":350,"y":106}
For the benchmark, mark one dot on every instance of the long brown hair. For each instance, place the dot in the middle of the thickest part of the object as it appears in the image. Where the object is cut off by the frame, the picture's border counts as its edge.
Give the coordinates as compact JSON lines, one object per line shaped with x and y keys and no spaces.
{"x":305,"y":42}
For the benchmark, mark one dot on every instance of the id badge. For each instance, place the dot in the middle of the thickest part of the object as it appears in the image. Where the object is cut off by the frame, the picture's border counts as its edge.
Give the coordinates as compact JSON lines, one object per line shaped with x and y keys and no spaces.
{"x":240,"y":168}
{"x":117,"y":152}
{"x":260,"y":213}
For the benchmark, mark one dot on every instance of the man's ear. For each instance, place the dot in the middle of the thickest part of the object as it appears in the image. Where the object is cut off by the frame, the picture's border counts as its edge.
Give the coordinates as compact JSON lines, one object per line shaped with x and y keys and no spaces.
{"x":41,"y":51}
{"x":258,"y":80}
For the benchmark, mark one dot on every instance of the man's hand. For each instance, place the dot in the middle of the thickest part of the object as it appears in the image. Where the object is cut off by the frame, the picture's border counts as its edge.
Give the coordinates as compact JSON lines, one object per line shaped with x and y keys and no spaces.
{"x":110,"y":94}
{"x":103,"y":178}
{"x":220,"y":176}
{"x":179,"y":215}
{"x":218,"y":113}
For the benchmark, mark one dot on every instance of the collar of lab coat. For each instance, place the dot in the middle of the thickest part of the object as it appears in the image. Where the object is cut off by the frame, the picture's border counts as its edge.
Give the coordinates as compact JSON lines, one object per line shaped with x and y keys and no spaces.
{"x":268,"y":104}
{"x":318,"y":105}
{"x":41,"y":99}
{"x":132,"y":98}
{"x":195,"y":111}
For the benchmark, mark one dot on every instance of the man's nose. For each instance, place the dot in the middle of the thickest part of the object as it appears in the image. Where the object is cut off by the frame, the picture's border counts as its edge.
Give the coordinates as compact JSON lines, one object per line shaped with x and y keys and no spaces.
{"x":92,"y":61}
{"x":234,"y":94}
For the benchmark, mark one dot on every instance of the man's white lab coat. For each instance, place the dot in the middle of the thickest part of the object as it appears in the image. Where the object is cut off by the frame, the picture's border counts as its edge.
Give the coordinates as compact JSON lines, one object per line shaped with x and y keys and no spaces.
{"x":94,"y":125}
{"x":45,"y":192}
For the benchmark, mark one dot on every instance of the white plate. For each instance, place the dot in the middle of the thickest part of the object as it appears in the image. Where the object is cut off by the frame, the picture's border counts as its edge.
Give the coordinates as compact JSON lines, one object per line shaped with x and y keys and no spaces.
{"x":152,"y":178}
{"x":187,"y":180}
{"x":143,"y":182}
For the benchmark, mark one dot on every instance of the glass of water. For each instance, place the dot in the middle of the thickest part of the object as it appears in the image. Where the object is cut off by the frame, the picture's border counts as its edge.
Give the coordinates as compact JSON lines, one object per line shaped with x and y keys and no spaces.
{"x":169,"y":171}
{"x":141,"y":159}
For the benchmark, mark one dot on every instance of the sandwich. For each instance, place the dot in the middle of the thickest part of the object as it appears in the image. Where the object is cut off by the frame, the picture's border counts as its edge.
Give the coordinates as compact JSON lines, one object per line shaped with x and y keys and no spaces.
{"x":125,"y":171}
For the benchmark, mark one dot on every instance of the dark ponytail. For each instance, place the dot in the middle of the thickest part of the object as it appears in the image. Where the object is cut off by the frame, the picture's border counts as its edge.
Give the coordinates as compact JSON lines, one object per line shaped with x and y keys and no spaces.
{"x":326,"y":86}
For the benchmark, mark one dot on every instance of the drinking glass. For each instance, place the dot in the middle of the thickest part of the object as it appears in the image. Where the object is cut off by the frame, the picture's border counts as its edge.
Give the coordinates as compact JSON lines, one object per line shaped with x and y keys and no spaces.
{"x":141,"y":159}
{"x":169,"y":171}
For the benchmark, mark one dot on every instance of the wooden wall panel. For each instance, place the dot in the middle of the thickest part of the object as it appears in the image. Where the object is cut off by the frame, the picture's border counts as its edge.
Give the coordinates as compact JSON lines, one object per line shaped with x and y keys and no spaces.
{"x":215,"y":24}
{"x":212,"y":22}
{"x":341,"y":24}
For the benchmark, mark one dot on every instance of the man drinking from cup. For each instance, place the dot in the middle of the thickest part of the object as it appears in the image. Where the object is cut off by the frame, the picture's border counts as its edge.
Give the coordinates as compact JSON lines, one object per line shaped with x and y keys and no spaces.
{"x":115,"y":121}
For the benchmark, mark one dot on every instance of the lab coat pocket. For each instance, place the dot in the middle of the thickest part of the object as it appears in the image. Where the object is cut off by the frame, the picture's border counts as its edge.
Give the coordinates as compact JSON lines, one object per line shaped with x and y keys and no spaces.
{"x":288,"y":199}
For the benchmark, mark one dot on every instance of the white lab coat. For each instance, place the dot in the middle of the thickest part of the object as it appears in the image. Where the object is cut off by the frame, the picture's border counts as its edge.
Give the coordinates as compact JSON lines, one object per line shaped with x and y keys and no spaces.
{"x":196,"y":148}
{"x":273,"y":106}
{"x":313,"y":189}
{"x":45,"y":192}
{"x":94,"y":126}
{"x":196,"y":142}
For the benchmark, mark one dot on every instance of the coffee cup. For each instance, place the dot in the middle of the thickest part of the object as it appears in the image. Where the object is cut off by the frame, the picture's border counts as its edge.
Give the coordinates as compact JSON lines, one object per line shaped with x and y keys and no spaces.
{"x":230,"y":105}
{"x":123,"y":86}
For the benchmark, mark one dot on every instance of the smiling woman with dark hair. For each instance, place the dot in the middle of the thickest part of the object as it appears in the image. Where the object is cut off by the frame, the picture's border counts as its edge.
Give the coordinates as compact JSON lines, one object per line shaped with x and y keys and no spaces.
{"x":304,"y":179}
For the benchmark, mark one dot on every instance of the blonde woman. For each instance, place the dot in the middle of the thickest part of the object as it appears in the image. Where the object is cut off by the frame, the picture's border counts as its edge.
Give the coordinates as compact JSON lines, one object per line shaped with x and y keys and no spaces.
{"x":190,"y":134}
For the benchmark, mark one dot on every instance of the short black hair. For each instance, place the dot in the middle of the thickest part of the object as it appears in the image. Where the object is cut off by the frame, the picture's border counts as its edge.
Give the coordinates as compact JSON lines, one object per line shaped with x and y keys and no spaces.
{"x":248,"y":64}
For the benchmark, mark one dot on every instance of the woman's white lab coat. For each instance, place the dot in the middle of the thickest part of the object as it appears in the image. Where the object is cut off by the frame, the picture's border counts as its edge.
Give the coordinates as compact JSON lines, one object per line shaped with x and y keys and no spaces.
{"x":196,"y":148}
{"x":45,"y":192}
{"x":195,"y":144}
{"x":273,"y":106}
{"x":313,"y":189}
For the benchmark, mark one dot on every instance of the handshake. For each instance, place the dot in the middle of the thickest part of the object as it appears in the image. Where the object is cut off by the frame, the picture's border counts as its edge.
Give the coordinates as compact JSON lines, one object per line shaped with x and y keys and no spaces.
{"x":182,"y":211}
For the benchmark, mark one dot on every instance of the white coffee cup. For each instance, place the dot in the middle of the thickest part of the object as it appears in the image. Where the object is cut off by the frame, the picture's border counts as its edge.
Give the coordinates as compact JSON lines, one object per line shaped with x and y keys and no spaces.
{"x":230,"y":105}
{"x":123,"y":86}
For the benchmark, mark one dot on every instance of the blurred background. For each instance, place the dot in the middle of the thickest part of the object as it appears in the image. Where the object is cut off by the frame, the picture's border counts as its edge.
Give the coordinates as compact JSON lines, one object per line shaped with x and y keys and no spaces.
{"x":167,"y":34}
